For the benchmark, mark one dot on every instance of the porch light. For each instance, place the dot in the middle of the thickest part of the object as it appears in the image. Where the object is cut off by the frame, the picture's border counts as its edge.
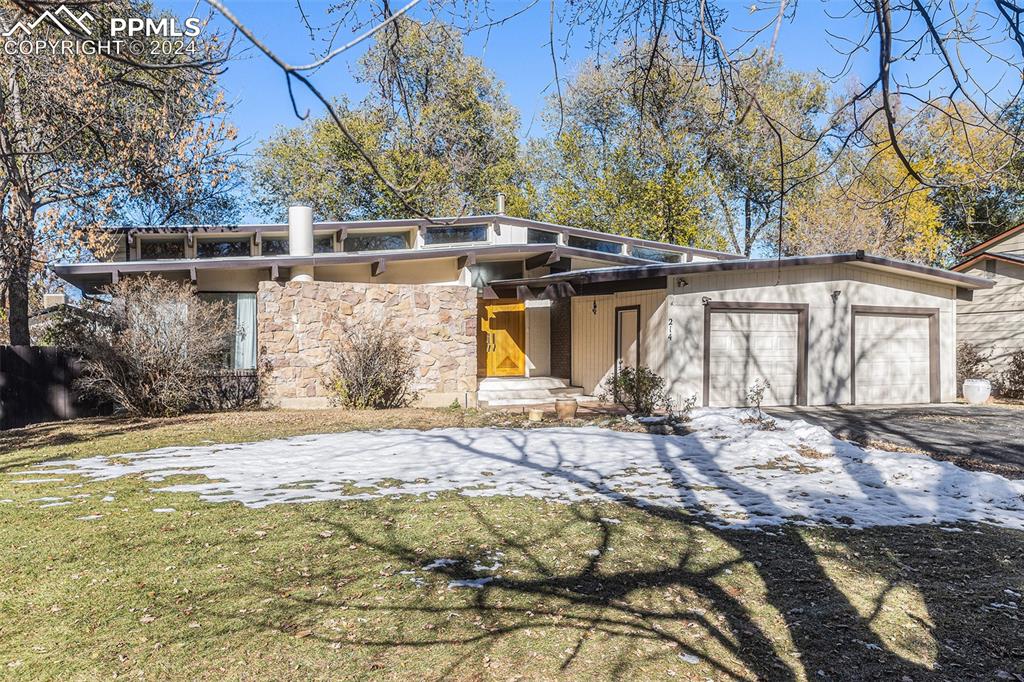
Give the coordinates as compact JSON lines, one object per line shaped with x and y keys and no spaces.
{"x":593,"y":308}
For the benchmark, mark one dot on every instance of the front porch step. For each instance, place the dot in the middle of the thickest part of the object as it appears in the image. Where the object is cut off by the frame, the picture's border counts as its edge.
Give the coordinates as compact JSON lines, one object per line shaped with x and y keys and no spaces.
{"x":520,"y":383}
{"x":507,"y":391}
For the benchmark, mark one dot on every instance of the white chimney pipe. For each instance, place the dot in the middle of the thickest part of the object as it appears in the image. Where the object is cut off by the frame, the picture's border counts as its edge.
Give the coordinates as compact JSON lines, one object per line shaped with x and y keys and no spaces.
{"x":501,"y":203}
{"x":300,"y":240}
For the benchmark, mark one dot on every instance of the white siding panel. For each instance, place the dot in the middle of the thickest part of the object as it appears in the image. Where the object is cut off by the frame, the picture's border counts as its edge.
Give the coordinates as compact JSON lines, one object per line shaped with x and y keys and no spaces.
{"x":994,"y":320}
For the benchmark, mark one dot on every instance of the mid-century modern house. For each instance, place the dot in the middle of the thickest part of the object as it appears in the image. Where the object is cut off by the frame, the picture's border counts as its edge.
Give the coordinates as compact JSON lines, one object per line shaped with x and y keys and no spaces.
{"x":507,"y":310}
{"x":994,"y":319}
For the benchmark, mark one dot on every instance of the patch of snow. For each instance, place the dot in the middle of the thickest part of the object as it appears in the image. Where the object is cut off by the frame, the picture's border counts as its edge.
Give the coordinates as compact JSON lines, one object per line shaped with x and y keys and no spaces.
{"x":46,"y":499}
{"x":54,"y":504}
{"x":6,"y":500}
{"x":107,"y":498}
{"x":481,"y":568}
{"x":729,"y":472}
{"x":689,"y":658}
{"x":90,"y":517}
{"x":612,"y":521}
{"x":38,"y":480}
{"x":439,"y":563}
{"x":165,"y":510}
{"x":475,"y":584}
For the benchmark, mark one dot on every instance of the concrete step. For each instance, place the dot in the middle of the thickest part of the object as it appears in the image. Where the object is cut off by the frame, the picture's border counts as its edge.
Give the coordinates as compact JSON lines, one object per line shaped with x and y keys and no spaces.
{"x":521,"y":383}
{"x":511,"y":391}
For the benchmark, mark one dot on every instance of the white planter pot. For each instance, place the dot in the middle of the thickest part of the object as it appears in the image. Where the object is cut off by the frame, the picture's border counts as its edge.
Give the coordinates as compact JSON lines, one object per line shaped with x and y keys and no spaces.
{"x":977,"y":391}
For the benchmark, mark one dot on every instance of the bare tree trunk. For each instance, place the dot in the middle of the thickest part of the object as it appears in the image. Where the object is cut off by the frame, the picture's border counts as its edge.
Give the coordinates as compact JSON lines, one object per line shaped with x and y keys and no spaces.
{"x":746,"y":226}
{"x":22,"y":218}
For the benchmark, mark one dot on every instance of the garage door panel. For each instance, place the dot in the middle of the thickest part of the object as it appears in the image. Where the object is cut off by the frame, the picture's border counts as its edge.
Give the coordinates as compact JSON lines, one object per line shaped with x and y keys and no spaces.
{"x":892,"y":359}
{"x":747,"y":346}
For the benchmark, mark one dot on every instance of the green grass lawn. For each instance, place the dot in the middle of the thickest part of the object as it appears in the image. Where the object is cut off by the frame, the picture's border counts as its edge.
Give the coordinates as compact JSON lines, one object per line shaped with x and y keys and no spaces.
{"x":338,"y":590}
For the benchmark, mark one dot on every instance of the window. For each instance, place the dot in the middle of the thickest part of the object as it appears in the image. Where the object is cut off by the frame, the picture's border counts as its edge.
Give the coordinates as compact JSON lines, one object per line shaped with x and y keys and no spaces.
{"x":240,"y":351}
{"x":595,"y":244}
{"x":380,"y":241}
{"x":323,"y":244}
{"x":278,"y":246}
{"x":161,"y":249}
{"x":655,"y":254}
{"x":222,"y":248}
{"x":455,"y":234}
{"x":540,"y":236}
{"x":274,"y":246}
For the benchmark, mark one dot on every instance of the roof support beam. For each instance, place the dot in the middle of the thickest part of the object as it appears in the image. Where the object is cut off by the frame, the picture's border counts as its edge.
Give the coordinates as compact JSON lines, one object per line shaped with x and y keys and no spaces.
{"x":467,"y":260}
{"x":549,"y":258}
{"x":378,"y":267}
{"x":523,"y":293}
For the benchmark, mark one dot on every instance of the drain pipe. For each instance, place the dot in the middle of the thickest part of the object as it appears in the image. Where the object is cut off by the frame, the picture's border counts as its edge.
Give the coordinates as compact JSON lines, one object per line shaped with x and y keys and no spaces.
{"x":300,"y":240}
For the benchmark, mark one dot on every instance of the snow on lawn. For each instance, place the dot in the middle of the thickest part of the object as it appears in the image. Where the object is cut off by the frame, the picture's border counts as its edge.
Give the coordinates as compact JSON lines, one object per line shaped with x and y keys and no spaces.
{"x":729,"y":471}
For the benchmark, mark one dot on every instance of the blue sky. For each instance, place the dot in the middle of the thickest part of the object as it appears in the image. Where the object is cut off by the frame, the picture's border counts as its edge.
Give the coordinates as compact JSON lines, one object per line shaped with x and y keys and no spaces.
{"x":517,"y":52}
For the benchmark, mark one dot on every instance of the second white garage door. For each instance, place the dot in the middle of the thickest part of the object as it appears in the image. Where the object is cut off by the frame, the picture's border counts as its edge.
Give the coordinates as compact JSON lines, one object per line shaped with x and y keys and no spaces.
{"x":746,"y":346}
{"x":892,"y":356}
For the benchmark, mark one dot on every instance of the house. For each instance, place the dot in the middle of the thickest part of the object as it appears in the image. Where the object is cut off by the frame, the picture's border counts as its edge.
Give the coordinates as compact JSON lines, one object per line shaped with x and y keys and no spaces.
{"x":507,"y":310}
{"x":994,"y":319}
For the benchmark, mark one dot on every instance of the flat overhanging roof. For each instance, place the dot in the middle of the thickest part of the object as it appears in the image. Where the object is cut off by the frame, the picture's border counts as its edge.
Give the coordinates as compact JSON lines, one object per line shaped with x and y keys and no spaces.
{"x":90,"y":276}
{"x":661,"y":270}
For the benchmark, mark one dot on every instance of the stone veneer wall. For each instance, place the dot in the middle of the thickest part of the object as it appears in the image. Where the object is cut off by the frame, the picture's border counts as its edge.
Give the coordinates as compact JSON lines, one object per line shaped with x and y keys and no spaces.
{"x":298,"y":322}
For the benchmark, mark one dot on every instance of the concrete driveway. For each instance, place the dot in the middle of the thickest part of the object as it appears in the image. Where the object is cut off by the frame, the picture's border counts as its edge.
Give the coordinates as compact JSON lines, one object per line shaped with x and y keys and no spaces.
{"x":988,"y":438}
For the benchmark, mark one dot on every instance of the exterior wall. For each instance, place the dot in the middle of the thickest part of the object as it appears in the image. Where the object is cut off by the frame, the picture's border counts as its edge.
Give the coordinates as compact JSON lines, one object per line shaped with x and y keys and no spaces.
{"x":994,"y":320}
{"x":437,"y":271}
{"x":299,"y":322}
{"x":593,"y":335}
{"x":230,"y":280}
{"x":828,"y":358}
{"x":538,"y":336}
{"x":1014,"y":245}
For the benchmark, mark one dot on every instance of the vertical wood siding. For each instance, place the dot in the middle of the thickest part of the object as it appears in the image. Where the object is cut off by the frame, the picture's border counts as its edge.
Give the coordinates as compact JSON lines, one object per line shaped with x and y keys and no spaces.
{"x":994,"y":320}
{"x":593,"y":335}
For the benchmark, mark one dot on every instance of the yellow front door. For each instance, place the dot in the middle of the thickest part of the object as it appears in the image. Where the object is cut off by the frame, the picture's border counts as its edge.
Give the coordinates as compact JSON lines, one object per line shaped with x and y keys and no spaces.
{"x":502,"y":338}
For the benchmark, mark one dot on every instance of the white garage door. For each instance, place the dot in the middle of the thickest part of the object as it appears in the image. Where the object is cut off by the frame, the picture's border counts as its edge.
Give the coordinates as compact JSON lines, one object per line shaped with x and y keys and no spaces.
{"x":892,"y":360}
{"x":746,"y":346}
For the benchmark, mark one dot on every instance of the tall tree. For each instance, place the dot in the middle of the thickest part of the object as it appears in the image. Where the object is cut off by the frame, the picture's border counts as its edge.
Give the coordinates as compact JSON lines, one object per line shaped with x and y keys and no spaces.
{"x":84,"y":138}
{"x":436,"y":121}
{"x":671,"y":157}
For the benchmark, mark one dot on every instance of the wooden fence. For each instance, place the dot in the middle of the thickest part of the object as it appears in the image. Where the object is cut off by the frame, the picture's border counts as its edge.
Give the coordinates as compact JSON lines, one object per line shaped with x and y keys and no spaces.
{"x":36,"y":386}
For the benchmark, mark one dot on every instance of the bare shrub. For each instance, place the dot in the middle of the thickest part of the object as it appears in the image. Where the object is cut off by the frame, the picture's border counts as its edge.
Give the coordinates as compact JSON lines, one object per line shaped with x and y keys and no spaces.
{"x":640,"y":390}
{"x":971,"y":363}
{"x":1010,"y":383}
{"x":755,"y":396}
{"x":371,"y":368}
{"x":151,"y":349}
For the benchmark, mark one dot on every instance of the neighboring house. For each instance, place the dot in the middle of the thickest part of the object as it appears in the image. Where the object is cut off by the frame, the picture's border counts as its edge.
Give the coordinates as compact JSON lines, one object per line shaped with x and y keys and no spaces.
{"x":507,"y":310}
{"x":994,"y":319}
